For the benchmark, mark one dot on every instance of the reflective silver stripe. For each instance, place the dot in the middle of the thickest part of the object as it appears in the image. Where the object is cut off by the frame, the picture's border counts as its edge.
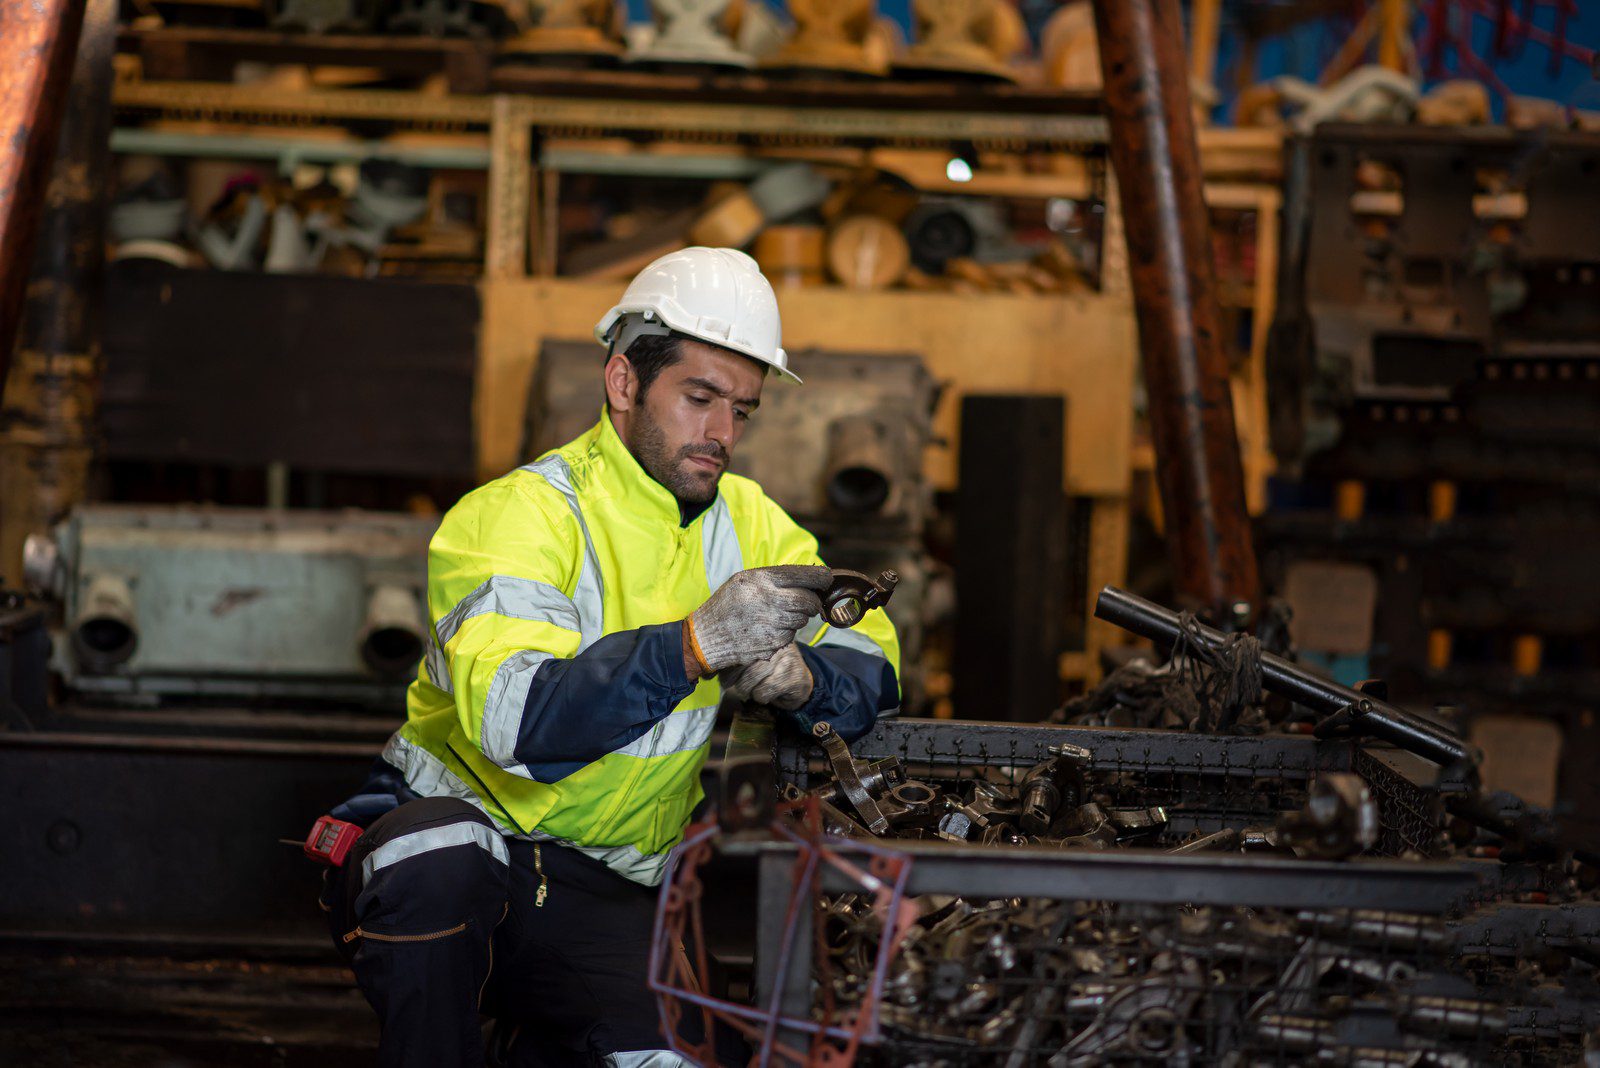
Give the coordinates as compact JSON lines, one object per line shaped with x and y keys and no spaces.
{"x":515,"y":598}
{"x":503,"y":707}
{"x":426,"y":773}
{"x":438,"y":666}
{"x":808,"y":633}
{"x":589,"y":596}
{"x":850,"y":639}
{"x":678,"y":733}
{"x":431,"y":838}
{"x":719,"y":543}
{"x":647,"y":1058}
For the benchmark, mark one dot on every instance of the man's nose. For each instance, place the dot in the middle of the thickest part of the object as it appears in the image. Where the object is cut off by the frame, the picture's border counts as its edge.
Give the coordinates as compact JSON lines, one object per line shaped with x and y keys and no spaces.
{"x":719,"y":428}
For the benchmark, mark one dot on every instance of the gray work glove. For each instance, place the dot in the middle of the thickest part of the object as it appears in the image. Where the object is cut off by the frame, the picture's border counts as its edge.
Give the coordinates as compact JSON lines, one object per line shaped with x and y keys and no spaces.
{"x":754,"y":614}
{"x":782,"y":680}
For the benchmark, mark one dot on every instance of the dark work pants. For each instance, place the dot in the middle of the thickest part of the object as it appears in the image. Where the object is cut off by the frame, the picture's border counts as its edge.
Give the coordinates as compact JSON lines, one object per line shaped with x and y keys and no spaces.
{"x":438,"y":916}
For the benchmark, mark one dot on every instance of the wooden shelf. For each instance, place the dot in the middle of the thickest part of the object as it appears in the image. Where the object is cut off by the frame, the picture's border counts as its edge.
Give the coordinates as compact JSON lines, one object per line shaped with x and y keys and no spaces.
{"x":191,"y":53}
{"x":268,"y":106}
{"x":744,"y":88}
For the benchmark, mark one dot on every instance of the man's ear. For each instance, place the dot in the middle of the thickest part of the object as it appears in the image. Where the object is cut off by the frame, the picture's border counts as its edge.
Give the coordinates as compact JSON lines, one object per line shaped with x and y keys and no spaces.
{"x":622,"y":384}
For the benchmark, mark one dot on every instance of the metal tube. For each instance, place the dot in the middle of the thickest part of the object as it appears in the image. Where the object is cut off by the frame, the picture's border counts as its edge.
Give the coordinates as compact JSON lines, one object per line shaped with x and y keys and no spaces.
{"x":105,"y":631}
{"x":1157,"y":163}
{"x":1369,"y":715}
{"x":861,"y":468}
{"x":37,"y":42}
{"x":391,"y":640}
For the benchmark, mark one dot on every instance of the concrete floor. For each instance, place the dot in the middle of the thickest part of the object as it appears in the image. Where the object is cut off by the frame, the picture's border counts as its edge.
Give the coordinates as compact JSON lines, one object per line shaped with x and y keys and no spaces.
{"x":94,"y":1010}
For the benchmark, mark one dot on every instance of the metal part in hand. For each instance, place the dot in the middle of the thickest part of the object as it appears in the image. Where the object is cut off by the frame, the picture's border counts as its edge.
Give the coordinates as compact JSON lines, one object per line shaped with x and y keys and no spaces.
{"x":853,"y":594}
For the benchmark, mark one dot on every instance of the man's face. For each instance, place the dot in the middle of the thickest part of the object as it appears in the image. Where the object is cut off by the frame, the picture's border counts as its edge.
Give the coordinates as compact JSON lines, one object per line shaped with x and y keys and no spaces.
{"x":685,"y":429}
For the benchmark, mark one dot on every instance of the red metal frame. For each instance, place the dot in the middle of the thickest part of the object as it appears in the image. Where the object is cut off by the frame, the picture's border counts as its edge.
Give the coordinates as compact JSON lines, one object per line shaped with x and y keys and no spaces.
{"x":678,"y":950}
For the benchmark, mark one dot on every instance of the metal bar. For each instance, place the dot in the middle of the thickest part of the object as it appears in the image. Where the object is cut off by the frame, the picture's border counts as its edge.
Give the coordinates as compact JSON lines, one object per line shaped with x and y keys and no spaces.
{"x":38,"y":39}
{"x":1508,"y":930}
{"x":1157,"y":163}
{"x":1128,"y":875}
{"x":290,"y":152}
{"x":45,"y":744}
{"x":776,"y":875}
{"x":1368,"y":715}
{"x":929,"y":741}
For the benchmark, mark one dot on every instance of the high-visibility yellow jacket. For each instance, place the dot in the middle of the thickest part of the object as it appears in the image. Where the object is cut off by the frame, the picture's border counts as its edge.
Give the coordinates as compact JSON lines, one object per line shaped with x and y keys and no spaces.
{"x":553,"y":694}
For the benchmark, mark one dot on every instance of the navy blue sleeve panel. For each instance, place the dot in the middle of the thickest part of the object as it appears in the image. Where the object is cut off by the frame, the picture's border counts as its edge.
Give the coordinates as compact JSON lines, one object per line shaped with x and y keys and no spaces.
{"x":599,"y":701}
{"x":384,"y":791}
{"x":850,"y":689}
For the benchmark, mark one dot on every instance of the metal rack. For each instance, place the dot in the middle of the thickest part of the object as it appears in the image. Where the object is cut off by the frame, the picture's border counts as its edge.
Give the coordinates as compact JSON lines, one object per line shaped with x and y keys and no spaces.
{"x":1207,"y":782}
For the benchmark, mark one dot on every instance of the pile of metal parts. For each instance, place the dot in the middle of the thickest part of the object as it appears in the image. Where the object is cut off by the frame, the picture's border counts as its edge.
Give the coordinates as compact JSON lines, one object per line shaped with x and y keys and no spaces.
{"x":1060,"y":802}
{"x":1070,"y":984}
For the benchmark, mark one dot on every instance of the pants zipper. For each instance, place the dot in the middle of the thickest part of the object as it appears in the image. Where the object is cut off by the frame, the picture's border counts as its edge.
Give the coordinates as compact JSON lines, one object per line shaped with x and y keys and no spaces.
{"x":359,"y":933}
{"x":544,"y":884}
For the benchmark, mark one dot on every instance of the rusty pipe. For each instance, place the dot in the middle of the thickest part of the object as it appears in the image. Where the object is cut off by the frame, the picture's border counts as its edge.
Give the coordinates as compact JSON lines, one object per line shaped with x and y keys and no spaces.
{"x":38,"y":39}
{"x":1157,"y":164}
{"x":48,"y":415}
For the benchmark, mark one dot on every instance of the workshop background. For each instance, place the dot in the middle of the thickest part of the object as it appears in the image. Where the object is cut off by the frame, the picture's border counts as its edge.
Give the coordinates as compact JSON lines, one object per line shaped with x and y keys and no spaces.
{"x":280,"y":280}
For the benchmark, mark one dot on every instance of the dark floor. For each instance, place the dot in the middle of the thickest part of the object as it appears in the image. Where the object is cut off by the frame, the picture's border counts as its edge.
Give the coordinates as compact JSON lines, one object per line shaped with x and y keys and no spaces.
{"x":60,"y":1008}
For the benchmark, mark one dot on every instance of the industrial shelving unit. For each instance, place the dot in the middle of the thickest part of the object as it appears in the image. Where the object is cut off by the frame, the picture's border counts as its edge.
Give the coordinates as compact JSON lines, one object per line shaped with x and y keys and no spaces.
{"x":560,"y":122}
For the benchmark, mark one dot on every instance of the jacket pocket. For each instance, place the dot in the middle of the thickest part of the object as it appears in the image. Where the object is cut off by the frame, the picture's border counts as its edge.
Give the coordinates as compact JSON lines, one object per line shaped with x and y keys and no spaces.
{"x":667,"y":823}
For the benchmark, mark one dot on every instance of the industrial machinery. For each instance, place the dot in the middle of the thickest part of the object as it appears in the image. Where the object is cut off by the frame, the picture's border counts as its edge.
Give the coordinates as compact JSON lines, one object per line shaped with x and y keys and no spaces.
{"x":842,"y":455}
{"x":1435,"y":372}
{"x":161,"y":603}
{"x":962,"y":893}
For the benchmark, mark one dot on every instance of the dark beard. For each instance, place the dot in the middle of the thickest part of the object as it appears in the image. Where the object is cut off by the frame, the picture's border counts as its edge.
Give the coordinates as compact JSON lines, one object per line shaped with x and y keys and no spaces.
{"x":649,"y":446}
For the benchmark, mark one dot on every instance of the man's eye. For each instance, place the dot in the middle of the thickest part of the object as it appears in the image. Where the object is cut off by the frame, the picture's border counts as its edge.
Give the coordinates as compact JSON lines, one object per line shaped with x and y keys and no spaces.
{"x":741,"y":414}
{"x":695,"y":398}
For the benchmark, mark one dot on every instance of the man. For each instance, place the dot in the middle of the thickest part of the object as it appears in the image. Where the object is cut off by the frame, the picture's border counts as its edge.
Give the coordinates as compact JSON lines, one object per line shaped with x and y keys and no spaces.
{"x":589,"y":610}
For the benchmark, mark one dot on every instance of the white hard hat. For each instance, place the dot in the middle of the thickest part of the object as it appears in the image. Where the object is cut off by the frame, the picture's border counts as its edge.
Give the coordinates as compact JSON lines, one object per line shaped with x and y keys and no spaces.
{"x":715,"y":295}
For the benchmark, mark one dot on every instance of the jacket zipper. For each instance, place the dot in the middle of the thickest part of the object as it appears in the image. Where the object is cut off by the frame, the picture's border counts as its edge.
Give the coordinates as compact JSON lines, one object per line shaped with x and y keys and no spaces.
{"x":544,"y":884}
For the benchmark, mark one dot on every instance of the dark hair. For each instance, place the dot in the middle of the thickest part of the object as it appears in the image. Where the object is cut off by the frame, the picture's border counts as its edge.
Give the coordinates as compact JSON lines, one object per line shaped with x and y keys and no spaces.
{"x":652,"y":354}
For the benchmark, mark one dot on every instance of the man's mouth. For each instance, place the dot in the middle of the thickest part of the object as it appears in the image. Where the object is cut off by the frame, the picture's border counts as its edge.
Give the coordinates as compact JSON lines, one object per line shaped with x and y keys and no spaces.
{"x":709,"y":463}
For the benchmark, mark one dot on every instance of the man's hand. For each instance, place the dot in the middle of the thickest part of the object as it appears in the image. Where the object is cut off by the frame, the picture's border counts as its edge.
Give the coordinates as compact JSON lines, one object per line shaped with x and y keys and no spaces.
{"x":751,"y":616}
{"x":782,"y":680}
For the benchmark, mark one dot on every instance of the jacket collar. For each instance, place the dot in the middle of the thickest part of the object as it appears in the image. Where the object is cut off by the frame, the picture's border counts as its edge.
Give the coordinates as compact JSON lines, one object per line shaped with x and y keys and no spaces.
{"x":625,"y":480}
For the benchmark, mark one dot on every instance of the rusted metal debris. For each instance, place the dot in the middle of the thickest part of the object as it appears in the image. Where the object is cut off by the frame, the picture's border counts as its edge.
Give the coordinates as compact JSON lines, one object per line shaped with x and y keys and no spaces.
{"x":1157,"y":163}
{"x":38,"y":39}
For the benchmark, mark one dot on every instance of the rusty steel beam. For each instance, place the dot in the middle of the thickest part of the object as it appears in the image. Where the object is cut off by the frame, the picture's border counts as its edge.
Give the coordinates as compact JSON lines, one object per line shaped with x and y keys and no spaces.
{"x":1157,"y":164}
{"x":48,"y":411}
{"x":38,"y":39}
